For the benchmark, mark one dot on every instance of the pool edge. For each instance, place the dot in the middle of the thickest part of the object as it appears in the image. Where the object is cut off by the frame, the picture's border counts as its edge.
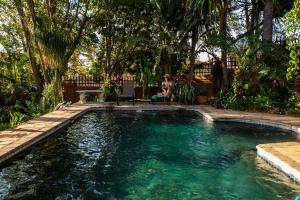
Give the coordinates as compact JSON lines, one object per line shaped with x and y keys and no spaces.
{"x":279,"y":163}
{"x":285,"y":165}
{"x":35,"y":135}
{"x":75,"y":111}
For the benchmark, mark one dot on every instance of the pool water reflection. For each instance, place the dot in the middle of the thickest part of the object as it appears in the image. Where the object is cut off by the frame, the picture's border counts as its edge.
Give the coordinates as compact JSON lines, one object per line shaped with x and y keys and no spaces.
{"x":148,"y":155}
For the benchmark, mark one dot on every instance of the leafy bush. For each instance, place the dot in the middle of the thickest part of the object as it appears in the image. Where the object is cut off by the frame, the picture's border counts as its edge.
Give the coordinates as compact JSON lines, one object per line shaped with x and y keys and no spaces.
{"x":187,"y":94}
{"x":230,"y":100}
{"x":260,"y":88}
{"x":50,"y":95}
{"x":30,"y":108}
{"x":293,"y":104}
{"x":4,"y":126}
{"x":110,"y":90}
{"x":294,"y":63}
{"x":20,"y":112}
{"x":292,"y":26}
{"x":263,"y":103}
{"x":16,"y":118}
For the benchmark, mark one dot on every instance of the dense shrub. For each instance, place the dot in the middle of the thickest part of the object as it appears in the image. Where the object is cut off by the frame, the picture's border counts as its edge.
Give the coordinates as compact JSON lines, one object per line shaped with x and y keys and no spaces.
{"x":12,"y":116}
{"x":259,"y":88}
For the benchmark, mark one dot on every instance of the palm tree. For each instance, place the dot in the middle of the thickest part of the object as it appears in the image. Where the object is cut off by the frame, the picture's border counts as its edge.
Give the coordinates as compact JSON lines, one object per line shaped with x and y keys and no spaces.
{"x":54,"y":32}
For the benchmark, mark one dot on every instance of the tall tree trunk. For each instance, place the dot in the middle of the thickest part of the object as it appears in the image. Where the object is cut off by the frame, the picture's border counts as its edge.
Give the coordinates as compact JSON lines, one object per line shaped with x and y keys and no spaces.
{"x":30,"y":48}
{"x":165,"y":60}
{"x":268,"y":21}
{"x":193,"y":54}
{"x":255,"y":13}
{"x":58,"y":92}
{"x":145,"y":85}
{"x":223,"y":33}
{"x":108,"y":57}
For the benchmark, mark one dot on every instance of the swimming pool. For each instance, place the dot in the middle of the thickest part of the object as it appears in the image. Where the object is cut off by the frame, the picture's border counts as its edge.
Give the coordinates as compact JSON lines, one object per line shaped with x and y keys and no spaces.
{"x":148,"y":155}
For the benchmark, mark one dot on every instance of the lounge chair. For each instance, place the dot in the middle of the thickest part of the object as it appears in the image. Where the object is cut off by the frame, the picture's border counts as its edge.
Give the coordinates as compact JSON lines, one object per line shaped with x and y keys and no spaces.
{"x":127,"y":91}
{"x":160,"y":98}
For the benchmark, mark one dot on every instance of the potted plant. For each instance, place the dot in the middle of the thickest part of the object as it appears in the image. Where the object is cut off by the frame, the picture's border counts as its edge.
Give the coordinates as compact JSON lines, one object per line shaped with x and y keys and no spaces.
{"x":201,"y":96}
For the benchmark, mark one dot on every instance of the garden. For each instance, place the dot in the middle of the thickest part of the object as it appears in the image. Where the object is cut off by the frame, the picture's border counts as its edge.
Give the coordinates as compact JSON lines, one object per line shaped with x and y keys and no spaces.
{"x":42,"y":42}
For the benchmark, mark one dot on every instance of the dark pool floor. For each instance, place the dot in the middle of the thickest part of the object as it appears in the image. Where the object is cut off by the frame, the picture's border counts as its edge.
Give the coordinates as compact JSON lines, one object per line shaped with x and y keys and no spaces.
{"x":159,"y":156}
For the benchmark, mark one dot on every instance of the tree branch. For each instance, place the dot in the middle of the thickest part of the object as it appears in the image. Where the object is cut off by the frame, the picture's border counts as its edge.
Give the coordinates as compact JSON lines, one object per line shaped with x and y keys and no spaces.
{"x":247,"y":32}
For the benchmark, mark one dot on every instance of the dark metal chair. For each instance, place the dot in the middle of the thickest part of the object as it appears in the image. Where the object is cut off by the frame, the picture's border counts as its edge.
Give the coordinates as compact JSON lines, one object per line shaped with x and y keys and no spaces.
{"x":127,"y":91}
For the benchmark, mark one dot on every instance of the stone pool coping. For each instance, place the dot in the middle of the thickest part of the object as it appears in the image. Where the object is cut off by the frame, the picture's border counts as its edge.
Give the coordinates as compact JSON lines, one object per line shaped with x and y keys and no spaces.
{"x":284,"y":156}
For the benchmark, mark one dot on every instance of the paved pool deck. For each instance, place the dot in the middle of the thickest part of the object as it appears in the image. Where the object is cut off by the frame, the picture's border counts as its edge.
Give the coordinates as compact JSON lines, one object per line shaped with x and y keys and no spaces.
{"x":284,"y":156}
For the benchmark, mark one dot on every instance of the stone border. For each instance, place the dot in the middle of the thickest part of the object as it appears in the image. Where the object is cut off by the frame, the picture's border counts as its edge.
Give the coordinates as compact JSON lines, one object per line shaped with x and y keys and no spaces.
{"x":14,"y":149}
{"x":279,"y":164}
{"x":259,"y":122}
{"x":31,"y":139}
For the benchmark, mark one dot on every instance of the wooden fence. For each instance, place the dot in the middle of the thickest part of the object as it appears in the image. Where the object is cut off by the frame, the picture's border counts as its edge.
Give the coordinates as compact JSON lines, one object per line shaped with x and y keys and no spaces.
{"x":73,"y":83}
{"x":206,"y":69}
{"x":83,"y":81}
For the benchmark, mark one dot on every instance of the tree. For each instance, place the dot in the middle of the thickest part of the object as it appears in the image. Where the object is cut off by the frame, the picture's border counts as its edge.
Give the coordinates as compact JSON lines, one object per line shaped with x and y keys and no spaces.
{"x":123,"y":35}
{"x":268,"y":21}
{"x":52,"y":31}
{"x":223,"y":7}
{"x":30,"y":48}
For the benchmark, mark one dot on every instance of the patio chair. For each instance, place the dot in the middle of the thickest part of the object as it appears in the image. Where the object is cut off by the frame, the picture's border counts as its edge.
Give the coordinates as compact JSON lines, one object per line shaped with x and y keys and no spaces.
{"x":127,"y":91}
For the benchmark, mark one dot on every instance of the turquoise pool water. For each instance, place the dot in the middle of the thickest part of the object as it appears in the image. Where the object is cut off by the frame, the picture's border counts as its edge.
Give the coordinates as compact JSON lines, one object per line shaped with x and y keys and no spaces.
{"x":159,"y":156}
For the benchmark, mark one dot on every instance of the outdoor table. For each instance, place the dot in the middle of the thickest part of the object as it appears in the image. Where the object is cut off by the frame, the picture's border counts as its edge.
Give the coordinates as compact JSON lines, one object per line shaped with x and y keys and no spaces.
{"x":83,"y":94}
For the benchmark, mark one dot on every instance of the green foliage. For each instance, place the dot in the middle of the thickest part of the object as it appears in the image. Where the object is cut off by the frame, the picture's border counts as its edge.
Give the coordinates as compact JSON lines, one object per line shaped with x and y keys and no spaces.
{"x":263,"y":103}
{"x":227,"y":99}
{"x":30,"y":108}
{"x":52,"y":94}
{"x":292,"y":22}
{"x":16,"y":118}
{"x":54,"y":46}
{"x":19,"y":113}
{"x":292,"y":29}
{"x":187,"y":94}
{"x":293,"y":70}
{"x":293,"y":104}
{"x":110,"y":90}
{"x":259,"y":88}
{"x":4,"y":126}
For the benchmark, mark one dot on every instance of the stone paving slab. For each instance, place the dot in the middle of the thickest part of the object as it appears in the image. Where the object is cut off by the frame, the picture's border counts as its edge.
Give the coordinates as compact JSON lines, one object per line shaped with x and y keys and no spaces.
{"x":284,"y":156}
{"x":13,"y":141}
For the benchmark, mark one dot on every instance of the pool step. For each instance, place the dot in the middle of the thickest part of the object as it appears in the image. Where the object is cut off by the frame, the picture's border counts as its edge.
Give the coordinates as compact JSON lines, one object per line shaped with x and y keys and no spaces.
{"x":283,"y":156}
